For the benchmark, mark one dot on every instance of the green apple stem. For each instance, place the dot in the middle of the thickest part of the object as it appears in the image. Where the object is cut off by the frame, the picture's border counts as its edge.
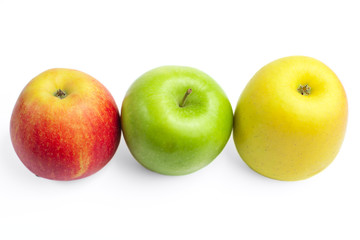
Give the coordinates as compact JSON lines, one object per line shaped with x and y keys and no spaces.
{"x":185,"y":97}
{"x":304,"y":89}
{"x":60,"y":94}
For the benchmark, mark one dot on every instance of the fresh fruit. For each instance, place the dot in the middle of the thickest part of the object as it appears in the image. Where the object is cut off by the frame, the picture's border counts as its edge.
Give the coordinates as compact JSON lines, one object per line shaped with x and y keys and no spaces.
{"x":291,"y":118}
{"x":175,"y":120}
{"x":65,"y":125}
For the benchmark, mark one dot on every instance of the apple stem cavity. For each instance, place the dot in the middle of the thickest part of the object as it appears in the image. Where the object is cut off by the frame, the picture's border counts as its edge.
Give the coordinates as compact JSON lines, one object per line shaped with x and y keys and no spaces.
{"x":60,"y":94}
{"x":187,"y":93}
{"x":304,"y":89}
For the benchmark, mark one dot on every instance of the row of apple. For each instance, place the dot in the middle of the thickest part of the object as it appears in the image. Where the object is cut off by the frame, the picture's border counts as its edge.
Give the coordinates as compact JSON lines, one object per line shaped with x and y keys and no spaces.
{"x":289,"y":122}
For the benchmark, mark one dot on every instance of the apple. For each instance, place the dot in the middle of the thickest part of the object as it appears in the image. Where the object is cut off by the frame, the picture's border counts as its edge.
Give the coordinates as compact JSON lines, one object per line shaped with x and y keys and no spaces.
{"x":65,"y":125}
{"x":175,"y":120}
{"x":290,"y":120}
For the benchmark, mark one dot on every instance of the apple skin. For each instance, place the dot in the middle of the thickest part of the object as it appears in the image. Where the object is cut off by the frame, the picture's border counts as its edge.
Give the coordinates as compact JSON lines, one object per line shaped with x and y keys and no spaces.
{"x":69,"y":138}
{"x":167,"y":138}
{"x":282,"y":134}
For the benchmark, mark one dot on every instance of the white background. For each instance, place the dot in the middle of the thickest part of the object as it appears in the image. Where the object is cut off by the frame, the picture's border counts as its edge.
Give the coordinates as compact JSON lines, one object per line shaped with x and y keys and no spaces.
{"x":117,"y":41}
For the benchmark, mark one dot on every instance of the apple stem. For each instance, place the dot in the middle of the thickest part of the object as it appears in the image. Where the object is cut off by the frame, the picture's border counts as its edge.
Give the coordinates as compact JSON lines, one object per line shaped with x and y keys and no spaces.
{"x":185,"y":97}
{"x":60,"y":94}
{"x":304,"y":89}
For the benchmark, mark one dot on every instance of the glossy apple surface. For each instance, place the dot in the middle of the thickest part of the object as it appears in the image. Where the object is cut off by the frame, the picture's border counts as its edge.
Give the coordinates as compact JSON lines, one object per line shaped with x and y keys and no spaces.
{"x":65,"y":125}
{"x":291,"y":118}
{"x":165,"y":136}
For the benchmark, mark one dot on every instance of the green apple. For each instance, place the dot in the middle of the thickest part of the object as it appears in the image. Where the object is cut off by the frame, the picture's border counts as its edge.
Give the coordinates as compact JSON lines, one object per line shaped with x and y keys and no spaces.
{"x":175,"y":120}
{"x":291,"y":118}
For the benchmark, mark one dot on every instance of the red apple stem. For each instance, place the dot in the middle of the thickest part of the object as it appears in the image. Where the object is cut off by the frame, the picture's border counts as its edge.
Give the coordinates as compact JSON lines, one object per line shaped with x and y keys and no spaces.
{"x":187,"y":93}
{"x":60,"y":94}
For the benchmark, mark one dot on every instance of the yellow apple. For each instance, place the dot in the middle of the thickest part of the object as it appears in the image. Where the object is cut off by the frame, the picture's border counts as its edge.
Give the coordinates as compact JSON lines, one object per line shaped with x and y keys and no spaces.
{"x":290,"y":120}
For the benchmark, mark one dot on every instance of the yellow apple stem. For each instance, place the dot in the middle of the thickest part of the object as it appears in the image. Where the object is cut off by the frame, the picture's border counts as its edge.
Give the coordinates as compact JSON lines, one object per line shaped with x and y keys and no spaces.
{"x":304,"y":89}
{"x":60,"y":94}
{"x":185,"y":97}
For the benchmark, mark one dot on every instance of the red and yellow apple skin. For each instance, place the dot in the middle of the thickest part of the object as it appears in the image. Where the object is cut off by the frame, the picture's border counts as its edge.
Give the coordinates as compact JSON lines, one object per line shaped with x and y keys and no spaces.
{"x":68,"y":137}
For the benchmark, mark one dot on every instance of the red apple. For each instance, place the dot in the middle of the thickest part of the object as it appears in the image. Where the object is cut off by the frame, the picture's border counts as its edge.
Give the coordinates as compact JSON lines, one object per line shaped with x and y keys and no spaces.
{"x":65,"y":125}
